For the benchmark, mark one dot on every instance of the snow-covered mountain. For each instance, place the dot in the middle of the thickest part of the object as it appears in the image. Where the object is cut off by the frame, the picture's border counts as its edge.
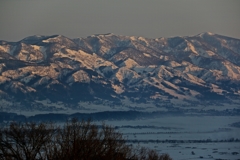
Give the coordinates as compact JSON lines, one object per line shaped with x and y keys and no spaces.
{"x":115,"y":68}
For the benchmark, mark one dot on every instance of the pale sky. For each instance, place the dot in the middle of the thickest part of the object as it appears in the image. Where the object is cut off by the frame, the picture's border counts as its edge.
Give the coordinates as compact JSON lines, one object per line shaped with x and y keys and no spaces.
{"x":148,"y":18}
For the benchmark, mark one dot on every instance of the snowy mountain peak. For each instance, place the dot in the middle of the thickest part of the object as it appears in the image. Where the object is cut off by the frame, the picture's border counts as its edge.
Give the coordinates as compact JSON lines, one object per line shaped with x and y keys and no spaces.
{"x":206,"y":33}
{"x":102,"y":35}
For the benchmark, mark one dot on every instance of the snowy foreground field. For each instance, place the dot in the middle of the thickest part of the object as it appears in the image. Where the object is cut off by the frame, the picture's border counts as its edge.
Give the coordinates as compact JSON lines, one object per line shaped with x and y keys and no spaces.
{"x":185,"y":137}
{"x":215,"y":136}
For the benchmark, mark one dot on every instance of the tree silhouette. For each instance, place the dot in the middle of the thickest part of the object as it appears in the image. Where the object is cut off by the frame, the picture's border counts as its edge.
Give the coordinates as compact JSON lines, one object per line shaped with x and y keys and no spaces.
{"x":75,"y":140}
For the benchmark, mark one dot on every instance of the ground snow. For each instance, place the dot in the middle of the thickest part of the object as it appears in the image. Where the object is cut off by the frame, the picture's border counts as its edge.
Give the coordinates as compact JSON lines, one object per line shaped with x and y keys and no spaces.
{"x":130,"y":63}
{"x":184,"y":128}
{"x":147,"y":55}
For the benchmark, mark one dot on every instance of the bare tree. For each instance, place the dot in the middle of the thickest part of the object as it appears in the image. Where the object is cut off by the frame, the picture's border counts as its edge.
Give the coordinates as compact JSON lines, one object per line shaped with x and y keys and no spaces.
{"x":24,"y":141}
{"x":75,"y":140}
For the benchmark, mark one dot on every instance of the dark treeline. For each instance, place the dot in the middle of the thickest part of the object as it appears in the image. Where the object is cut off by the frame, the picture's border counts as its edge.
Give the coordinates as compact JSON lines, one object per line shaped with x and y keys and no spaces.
{"x":230,"y":140}
{"x":114,"y":115}
{"x":98,"y":116}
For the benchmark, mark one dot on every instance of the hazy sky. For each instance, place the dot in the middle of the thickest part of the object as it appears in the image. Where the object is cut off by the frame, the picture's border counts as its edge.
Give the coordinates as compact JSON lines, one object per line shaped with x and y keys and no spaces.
{"x":148,"y":18}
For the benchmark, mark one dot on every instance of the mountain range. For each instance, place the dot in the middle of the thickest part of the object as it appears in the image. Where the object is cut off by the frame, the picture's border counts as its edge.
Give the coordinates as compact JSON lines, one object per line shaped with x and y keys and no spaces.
{"x":59,"y":72}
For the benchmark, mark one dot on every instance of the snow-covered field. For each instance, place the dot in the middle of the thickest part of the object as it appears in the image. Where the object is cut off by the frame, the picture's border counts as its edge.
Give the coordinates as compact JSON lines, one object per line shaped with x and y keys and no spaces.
{"x":196,"y":137}
{"x":195,"y":151}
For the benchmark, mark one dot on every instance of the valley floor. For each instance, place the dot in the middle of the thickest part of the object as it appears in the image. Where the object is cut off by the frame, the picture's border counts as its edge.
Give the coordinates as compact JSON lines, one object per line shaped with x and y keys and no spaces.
{"x":185,"y":137}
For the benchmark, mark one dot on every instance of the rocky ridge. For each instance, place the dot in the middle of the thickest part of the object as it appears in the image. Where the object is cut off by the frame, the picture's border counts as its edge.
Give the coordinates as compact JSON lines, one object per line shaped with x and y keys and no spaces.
{"x":194,"y":70}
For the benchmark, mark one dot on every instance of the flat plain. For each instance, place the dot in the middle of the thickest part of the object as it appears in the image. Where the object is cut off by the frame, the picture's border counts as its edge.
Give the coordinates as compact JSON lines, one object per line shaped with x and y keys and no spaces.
{"x":185,"y":137}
